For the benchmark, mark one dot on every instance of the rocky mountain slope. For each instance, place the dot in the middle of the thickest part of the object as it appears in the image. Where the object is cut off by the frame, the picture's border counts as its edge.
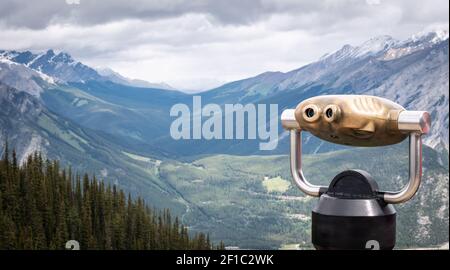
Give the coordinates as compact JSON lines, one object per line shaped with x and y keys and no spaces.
{"x":413,"y":72}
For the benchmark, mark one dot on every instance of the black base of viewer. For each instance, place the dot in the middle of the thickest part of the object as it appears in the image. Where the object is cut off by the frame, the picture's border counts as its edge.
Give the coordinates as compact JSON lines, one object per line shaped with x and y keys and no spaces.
{"x":351,"y":215}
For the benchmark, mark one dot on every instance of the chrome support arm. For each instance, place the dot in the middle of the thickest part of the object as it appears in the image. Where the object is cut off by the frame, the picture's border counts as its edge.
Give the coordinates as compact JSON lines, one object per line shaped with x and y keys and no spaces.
{"x":296,"y":166}
{"x":288,"y":121}
{"x":415,"y":173}
{"x":415,"y":123}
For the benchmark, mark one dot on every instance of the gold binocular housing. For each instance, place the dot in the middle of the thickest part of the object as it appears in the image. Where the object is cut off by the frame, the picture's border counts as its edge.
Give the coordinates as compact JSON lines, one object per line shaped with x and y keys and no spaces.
{"x":357,"y":120}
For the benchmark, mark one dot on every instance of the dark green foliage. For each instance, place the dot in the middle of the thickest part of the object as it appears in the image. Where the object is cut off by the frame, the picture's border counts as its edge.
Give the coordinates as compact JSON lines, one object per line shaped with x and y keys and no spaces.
{"x":43,"y":206}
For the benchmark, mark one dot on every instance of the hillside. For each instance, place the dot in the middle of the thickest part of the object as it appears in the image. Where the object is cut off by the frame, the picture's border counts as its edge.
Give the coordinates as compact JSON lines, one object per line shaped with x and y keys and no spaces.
{"x":250,"y":202}
{"x":43,"y":206}
{"x":29,"y":126}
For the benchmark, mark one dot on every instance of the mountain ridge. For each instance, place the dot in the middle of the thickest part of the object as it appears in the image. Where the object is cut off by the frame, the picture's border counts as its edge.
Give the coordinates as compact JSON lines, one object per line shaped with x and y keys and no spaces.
{"x":120,"y":79}
{"x":63,"y":68}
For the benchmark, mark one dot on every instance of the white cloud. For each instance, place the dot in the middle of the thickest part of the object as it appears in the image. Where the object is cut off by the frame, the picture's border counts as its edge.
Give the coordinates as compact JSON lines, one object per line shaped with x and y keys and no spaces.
{"x":373,"y":2}
{"x":199,"y":44}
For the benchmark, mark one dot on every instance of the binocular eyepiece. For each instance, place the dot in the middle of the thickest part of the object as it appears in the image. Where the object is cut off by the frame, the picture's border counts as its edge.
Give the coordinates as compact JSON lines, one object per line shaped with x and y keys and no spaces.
{"x":356,"y":120}
{"x":352,"y":203}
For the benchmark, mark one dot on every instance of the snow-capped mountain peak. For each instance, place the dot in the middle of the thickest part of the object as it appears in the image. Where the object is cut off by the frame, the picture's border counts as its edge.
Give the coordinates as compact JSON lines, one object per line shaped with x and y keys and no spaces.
{"x":21,"y":77}
{"x":374,"y":46}
{"x":8,"y":54}
{"x":434,"y":37}
{"x":63,"y":57}
{"x":416,"y":43}
{"x":342,"y":53}
{"x":60,"y":66}
{"x":370,"y":47}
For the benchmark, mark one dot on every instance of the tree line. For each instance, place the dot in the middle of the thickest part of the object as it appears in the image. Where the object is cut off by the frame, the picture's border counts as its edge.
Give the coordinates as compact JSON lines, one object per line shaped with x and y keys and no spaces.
{"x":42,"y":206}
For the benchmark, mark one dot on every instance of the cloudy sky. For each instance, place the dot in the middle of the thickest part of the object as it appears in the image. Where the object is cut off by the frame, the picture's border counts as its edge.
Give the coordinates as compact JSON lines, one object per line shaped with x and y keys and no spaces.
{"x":199,"y":44}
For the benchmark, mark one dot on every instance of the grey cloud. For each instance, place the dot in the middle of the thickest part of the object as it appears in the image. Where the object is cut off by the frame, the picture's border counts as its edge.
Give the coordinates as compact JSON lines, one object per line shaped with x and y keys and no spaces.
{"x":218,"y":39}
{"x":36,"y":15}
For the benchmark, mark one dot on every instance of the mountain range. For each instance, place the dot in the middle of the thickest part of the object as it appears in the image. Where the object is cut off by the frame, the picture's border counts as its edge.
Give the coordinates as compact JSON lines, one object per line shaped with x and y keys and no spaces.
{"x":63,"y":68}
{"x":118,"y":128}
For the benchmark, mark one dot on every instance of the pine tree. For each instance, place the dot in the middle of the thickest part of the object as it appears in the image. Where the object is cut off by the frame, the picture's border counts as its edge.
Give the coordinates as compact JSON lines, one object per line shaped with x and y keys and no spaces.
{"x":175,"y":240}
{"x":43,"y":206}
{"x":8,"y":233}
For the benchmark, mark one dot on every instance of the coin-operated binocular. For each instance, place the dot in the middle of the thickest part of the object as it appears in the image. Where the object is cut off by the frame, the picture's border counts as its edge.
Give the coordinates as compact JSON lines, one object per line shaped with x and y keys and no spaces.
{"x":352,"y":213}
